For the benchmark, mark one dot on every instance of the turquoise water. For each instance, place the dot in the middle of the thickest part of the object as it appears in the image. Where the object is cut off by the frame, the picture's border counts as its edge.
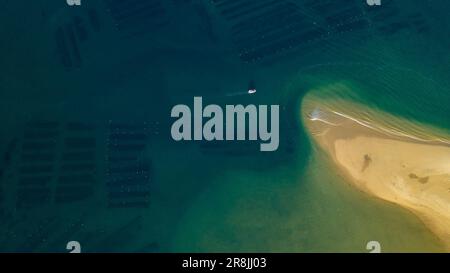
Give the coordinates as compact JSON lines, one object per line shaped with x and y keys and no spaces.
{"x":200,"y":196}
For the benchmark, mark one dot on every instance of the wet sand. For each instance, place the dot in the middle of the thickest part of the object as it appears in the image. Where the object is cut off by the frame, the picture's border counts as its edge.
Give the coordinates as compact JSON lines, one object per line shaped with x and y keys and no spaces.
{"x":401,"y":169}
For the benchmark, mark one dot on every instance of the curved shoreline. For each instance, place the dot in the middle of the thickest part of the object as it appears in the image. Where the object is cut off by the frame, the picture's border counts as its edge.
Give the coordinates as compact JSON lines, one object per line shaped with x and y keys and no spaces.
{"x":394,"y":166}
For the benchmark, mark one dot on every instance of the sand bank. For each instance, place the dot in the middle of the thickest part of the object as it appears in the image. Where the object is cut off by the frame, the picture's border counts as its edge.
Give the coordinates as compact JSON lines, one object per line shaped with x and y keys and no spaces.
{"x":402,"y":169}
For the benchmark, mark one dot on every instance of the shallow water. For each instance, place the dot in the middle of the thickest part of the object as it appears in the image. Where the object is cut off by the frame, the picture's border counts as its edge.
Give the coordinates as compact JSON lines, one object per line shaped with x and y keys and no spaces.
{"x":206,"y":197}
{"x":317,"y":211}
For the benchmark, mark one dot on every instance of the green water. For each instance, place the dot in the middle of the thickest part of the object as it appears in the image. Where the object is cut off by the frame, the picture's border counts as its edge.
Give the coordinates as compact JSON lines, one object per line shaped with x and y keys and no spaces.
{"x":311,"y":212}
{"x":292,"y":200}
{"x":312,"y":208}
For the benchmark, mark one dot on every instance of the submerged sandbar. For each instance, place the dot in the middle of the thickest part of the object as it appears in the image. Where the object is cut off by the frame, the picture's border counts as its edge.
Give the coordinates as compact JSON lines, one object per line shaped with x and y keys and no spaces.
{"x":406,"y":169}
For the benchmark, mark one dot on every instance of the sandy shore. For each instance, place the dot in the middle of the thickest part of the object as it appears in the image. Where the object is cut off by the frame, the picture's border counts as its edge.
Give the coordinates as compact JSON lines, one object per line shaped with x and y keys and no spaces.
{"x":411,"y":173}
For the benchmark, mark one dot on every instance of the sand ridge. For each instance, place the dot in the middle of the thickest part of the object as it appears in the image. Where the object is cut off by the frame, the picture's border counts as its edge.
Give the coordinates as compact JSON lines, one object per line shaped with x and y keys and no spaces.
{"x":404,"y":170}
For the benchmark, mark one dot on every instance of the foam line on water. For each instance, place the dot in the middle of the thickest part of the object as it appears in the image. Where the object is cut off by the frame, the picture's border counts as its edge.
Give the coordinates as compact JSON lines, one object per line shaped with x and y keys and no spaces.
{"x":391,"y":131}
{"x":316,"y":116}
